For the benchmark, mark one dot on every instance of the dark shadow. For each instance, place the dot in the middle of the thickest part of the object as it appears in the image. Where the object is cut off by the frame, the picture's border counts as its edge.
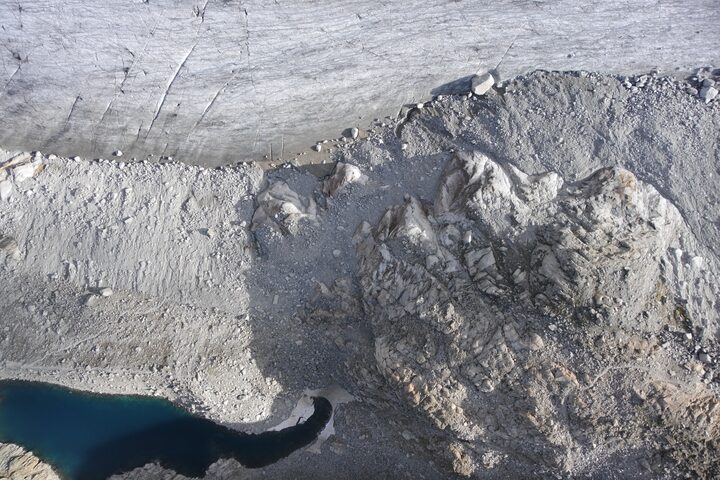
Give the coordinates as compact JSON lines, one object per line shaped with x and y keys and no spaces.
{"x":456,"y":87}
{"x":320,"y":170}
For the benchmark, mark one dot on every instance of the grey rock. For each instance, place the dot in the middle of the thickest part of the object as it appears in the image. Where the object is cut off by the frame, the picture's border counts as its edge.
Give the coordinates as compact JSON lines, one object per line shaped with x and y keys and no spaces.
{"x":481,"y":84}
{"x":281,"y":207}
{"x":8,"y":244}
{"x":6,"y":188}
{"x":91,"y":300}
{"x":343,"y":175}
{"x":708,"y":94}
{"x":26,"y":171}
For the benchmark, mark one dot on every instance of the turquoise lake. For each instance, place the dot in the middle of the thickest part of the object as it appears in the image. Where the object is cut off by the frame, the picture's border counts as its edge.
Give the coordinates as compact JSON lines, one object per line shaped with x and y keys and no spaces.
{"x":88,"y":436}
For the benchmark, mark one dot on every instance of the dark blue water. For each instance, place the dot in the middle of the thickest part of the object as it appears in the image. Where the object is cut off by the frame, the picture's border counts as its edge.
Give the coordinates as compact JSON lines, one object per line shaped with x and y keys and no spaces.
{"x":89,"y":436}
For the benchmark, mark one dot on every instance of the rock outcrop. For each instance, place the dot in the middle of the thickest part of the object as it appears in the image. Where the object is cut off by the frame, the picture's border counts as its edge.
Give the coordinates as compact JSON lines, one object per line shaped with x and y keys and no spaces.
{"x":19,"y":464}
{"x":484,"y":305}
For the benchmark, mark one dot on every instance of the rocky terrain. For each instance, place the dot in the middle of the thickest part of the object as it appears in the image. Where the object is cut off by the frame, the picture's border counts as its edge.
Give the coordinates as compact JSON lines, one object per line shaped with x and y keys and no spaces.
{"x":510,"y":284}
{"x":16,"y":462}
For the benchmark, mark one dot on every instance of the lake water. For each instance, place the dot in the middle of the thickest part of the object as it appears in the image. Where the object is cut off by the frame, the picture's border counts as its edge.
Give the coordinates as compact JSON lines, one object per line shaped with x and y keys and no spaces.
{"x":89,"y":436}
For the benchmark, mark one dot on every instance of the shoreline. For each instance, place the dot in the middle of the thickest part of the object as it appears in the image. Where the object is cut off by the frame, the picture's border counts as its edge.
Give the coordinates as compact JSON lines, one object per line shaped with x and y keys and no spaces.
{"x":237,"y":446}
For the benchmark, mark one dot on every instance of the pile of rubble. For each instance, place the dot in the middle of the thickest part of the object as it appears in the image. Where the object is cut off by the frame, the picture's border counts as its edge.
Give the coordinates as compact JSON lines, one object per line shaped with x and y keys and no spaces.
{"x":517,"y":312}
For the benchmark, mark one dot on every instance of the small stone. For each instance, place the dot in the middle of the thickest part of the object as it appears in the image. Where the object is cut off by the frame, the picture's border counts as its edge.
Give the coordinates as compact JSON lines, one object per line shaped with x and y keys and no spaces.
{"x":336,"y":253}
{"x":24,"y":172}
{"x":481,"y":84}
{"x":431,"y":261}
{"x":708,"y":93}
{"x":106,"y":292}
{"x":354,"y":132}
{"x":692,"y":91}
{"x":343,"y":175}
{"x":705,"y":358}
{"x":696,"y":262}
{"x":708,"y":82}
{"x":5,"y":189}
{"x":403,"y":146}
{"x":519,"y":276}
{"x":695,"y":366}
{"x":118,"y":153}
{"x":317,"y":147}
{"x":552,"y":327}
{"x":420,"y":106}
{"x":91,"y":300}
{"x":536,"y":342}
{"x":8,"y":244}
{"x":467,"y":237}
{"x":275,"y":299}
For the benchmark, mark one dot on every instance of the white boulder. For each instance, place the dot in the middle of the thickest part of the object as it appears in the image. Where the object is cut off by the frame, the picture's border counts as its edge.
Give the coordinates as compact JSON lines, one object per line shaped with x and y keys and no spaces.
{"x":481,"y":84}
{"x":343,"y":175}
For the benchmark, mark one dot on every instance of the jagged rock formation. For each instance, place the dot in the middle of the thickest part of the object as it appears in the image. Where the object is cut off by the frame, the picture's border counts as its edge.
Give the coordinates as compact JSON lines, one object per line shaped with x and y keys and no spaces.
{"x":590,"y":245}
{"x":17,"y":463}
{"x":483,"y":305}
